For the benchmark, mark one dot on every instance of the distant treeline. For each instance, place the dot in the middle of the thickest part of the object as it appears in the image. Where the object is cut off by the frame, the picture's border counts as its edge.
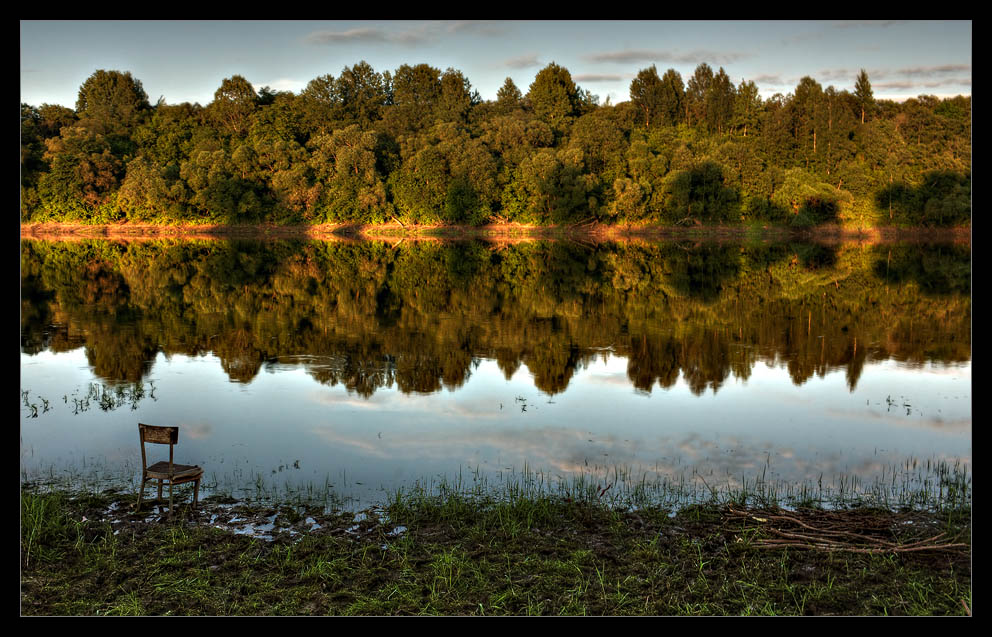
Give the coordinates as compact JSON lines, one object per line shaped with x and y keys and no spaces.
{"x":419,"y":145}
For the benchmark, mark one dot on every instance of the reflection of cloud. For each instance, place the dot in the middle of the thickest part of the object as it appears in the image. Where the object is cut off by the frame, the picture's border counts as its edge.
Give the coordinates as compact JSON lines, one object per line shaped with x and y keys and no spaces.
{"x":619,"y":379}
{"x":197,"y":431}
{"x":935,"y":423}
{"x":570,"y":453}
{"x":399,"y":403}
{"x":337,"y":400}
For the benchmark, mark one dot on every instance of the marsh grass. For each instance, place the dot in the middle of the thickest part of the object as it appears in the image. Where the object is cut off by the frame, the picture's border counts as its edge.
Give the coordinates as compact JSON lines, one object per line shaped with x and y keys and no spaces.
{"x":913,"y":484}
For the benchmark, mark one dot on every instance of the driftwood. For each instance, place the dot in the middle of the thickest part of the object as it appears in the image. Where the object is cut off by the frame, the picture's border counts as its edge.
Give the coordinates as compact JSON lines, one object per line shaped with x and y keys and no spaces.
{"x":828,"y":536}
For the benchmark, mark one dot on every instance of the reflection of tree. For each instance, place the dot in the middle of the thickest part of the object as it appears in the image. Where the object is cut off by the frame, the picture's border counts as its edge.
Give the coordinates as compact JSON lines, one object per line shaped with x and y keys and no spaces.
{"x":705,"y":360}
{"x":238,"y":355}
{"x":701,"y":272}
{"x":653,"y":358}
{"x":119,"y":353}
{"x":420,"y":315}
{"x":937,"y":270}
{"x":552,"y":364}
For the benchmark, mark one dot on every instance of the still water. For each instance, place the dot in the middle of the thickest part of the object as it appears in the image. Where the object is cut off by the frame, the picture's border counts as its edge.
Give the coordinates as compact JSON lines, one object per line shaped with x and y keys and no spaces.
{"x":361,"y":368}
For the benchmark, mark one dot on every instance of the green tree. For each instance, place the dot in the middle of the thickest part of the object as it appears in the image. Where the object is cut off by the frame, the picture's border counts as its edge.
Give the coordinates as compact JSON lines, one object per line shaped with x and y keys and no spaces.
{"x":111,"y":102}
{"x":810,"y":200}
{"x":363,"y":93}
{"x":695,"y":95}
{"x":647,"y":93}
{"x":554,"y":97}
{"x":720,"y":102}
{"x":747,"y":107}
{"x":864,"y":95}
{"x":320,"y":105}
{"x":672,"y":97}
{"x":808,"y":108}
{"x":456,"y":99}
{"x":416,"y":95}
{"x":349,"y":184}
{"x":234,"y":103}
{"x":549,"y":187}
{"x":508,"y":97}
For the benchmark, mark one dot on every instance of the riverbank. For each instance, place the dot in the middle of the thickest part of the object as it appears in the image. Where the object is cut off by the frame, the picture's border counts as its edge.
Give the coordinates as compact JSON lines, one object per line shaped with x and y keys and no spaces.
{"x":496,"y":232}
{"x":90,"y":554}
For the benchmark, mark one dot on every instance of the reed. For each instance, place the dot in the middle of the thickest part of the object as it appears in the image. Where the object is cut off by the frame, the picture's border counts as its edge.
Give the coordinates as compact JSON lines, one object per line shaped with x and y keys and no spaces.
{"x":917,"y":484}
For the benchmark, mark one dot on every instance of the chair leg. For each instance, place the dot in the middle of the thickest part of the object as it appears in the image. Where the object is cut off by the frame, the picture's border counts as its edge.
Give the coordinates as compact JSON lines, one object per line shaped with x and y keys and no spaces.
{"x":160,"y":491}
{"x":196,"y":493}
{"x":141,"y":493}
{"x":170,"y":498}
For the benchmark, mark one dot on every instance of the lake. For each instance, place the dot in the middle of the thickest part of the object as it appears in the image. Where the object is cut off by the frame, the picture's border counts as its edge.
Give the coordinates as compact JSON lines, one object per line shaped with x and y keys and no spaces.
{"x":348,"y":370}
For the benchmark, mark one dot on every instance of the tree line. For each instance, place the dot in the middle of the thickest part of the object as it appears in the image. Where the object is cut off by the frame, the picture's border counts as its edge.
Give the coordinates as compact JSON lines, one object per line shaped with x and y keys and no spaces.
{"x":420,"y":146}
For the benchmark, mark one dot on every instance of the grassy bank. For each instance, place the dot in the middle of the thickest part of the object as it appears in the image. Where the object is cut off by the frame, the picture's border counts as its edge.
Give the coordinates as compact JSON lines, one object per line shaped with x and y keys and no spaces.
{"x":90,"y":554}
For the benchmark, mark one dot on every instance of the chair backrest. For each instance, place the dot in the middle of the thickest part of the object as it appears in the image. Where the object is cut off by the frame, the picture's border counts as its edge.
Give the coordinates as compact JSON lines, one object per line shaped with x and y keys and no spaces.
{"x":158,"y":435}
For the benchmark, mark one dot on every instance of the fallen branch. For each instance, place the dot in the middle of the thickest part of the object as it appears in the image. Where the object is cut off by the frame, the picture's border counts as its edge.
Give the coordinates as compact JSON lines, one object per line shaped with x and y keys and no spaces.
{"x":828,"y":537}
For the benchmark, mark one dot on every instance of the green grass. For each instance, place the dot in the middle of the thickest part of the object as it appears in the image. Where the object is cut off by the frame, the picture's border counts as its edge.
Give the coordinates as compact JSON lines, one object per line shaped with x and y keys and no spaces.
{"x":508,"y":553}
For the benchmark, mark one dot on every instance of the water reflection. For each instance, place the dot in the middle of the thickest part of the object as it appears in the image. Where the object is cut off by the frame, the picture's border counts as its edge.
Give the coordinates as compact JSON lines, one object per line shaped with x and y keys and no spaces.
{"x":365,"y":366}
{"x":420,"y":315}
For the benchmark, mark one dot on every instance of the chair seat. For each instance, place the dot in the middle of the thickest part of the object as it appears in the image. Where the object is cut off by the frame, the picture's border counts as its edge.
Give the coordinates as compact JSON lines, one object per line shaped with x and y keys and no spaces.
{"x":180,"y":472}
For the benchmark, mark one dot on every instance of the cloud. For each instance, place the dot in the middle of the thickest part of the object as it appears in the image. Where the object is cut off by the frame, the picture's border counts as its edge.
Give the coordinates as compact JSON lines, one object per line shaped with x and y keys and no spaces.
{"x":523,"y":62}
{"x":285,"y":84}
{"x":774,"y":80}
{"x":934,"y":70}
{"x":409,"y":36}
{"x":856,"y":24}
{"x":910,"y":85}
{"x":643,"y":55}
{"x":366,"y":34}
{"x":916,"y":71}
{"x":958,"y":81}
{"x":837,"y":74}
{"x":895,"y":86}
{"x":484,"y":27}
{"x":593,"y":77}
{"x":627,"y":56}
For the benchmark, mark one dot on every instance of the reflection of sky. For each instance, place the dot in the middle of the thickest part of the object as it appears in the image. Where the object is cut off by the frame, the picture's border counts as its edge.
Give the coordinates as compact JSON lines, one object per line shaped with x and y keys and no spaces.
{"x":392,"y":439}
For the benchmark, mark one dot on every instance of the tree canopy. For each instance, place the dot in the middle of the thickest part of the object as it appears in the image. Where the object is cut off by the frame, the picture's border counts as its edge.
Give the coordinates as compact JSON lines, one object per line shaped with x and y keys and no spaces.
{"x":419,"y":145}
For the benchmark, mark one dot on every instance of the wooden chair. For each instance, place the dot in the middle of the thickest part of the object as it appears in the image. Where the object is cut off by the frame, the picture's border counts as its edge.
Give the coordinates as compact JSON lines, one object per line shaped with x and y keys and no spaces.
{"x":165,"y":471}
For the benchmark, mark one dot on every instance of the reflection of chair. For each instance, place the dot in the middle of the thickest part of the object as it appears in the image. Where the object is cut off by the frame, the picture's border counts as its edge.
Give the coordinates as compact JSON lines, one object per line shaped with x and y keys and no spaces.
{"x":165,"y":471}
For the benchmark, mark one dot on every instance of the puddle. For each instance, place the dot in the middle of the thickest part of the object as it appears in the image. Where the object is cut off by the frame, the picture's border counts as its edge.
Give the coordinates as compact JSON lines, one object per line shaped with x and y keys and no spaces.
{"x":243,"y":518}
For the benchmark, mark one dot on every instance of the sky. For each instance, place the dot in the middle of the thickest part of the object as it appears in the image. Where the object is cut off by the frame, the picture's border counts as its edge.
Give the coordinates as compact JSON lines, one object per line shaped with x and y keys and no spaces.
{"x":185,"y":61}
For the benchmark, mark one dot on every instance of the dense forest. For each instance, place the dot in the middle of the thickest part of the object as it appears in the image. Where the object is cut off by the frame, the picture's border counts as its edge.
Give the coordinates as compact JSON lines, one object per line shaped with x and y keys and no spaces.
{"x":419,"y":146}
{"x":420,"y":316}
